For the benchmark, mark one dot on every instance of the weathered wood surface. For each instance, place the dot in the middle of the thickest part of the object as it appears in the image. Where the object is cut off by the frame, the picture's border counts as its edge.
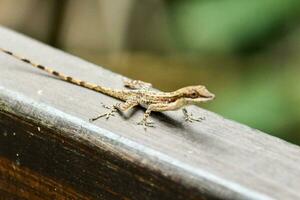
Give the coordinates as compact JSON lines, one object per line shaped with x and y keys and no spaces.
{"x":48,"y":149}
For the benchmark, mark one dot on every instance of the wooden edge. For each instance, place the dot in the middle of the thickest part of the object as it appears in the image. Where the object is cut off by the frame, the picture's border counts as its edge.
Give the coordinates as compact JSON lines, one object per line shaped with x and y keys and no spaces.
{"x":201,"y":183}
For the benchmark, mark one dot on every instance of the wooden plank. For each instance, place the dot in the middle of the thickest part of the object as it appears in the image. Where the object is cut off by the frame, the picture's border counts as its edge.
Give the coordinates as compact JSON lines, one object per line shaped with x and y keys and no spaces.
{"x":47,"y":143}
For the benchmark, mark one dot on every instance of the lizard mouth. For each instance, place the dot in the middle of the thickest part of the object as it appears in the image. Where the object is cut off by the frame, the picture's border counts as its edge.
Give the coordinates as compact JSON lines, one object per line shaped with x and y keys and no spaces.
{"x":209,"y":96}
{"x":199,"y":100}
{"x":202,"y":98}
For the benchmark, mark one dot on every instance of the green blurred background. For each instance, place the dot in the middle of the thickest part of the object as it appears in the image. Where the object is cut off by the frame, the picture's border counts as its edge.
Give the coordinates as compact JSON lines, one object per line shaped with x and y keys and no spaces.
{"x":246,"y":52}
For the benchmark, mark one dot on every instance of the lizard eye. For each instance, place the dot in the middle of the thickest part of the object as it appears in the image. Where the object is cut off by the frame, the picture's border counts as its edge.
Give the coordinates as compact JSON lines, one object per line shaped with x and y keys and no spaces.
{"x":193,"y":94}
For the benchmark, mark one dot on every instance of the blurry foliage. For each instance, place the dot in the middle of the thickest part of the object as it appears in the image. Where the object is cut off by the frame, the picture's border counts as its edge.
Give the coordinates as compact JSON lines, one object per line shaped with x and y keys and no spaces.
{"x":257,"y":34}
{"x":230,"y":25}
{"x":260,"y":100}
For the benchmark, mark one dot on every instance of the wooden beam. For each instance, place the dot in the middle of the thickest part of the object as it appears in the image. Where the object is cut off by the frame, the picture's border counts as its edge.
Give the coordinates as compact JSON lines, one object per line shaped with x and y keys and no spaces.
{"x":49,"y":149}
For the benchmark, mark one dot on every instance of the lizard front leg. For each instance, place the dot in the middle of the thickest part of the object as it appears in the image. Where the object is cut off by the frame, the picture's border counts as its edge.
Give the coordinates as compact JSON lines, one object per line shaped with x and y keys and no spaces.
{"x":175,"y":106}
{"x":189,"y":116}
{"x":145,"y":122}
{"x":123,"y":107}
{"x":159,"y":107}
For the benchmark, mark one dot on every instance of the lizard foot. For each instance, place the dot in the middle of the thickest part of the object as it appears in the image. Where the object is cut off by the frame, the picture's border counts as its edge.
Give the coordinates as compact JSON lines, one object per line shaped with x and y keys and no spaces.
{"x":188,"y":117}
{"x":146,"y":123}
{"x":106,"y":115}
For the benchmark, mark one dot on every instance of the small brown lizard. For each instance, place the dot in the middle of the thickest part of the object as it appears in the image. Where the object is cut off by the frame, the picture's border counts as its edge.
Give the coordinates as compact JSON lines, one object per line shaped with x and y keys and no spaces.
{"x":139,"y":95}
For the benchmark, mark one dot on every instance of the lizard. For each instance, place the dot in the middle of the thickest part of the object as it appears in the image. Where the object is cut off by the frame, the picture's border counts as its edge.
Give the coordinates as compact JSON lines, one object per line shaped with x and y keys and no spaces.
{"x":139,"y":94}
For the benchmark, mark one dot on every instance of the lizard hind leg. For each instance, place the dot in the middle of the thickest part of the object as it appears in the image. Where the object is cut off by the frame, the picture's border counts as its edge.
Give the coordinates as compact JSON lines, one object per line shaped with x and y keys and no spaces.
{"x":115,"y":108}
{"x":145,"y":121}
{"x":136,"y":84}
{"x":190,"y":118}
{"x":107,"y":115}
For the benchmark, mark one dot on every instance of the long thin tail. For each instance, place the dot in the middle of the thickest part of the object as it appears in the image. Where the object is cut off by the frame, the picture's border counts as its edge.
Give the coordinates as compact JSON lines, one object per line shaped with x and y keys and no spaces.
{"x":91,"y":86}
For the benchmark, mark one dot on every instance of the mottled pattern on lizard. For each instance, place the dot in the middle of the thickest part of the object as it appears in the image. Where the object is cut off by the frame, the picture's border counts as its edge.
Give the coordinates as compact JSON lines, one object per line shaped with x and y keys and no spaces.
{"x":138,"y":94}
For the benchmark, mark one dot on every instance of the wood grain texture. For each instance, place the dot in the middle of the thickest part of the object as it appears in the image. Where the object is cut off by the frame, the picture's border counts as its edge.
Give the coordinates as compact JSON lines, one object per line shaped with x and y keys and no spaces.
{"x":20,"y":183}
{"x":44,"y":131}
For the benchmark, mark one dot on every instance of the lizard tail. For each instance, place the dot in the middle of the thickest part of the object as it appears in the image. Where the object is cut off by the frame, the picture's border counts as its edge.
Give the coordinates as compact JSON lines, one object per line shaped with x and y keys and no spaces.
{"x":62,"y":76}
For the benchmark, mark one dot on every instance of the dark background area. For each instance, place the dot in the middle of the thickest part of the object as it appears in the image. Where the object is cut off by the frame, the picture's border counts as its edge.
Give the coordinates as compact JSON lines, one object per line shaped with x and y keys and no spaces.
{"x":246,"y":52}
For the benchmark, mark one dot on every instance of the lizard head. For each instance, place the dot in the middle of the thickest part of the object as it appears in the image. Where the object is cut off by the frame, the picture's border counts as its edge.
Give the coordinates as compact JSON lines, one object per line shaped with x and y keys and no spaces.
{"x":196,"y":94}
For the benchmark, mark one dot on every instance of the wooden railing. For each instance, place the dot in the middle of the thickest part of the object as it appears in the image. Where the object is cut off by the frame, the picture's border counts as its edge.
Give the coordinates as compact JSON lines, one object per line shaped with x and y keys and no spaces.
{"x":49,"y":149}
